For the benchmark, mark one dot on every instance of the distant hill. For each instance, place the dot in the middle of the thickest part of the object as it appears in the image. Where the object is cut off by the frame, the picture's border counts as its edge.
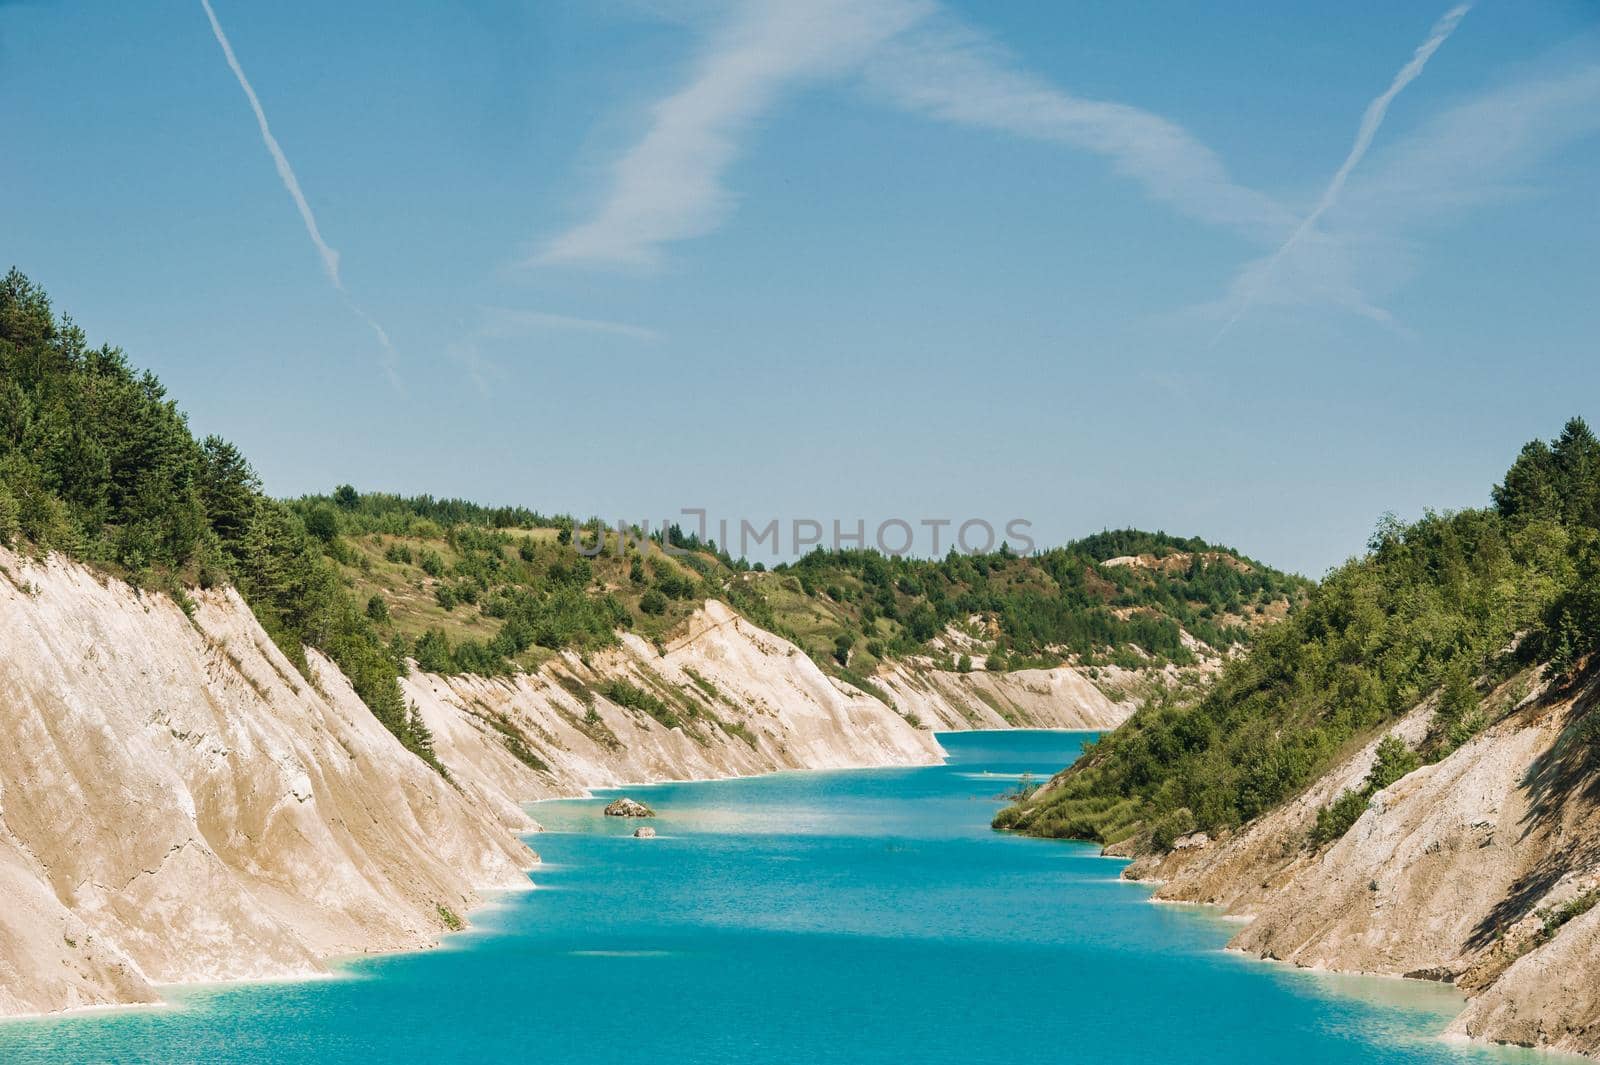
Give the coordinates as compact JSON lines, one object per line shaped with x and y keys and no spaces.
{"x":469,"y":588}
{"x":96,"y":461}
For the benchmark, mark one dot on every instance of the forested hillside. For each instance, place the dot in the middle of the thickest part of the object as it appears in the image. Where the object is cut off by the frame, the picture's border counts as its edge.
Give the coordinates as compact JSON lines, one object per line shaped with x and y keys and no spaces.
{"x":1448,"y":607}
{"x":96,"y":461}
{"x":476,"y":589}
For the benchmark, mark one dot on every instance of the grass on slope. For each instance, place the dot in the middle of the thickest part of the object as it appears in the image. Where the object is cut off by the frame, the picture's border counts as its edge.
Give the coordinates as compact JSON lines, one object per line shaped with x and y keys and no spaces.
{"x":456,"y":586}
{"x":1448,"y":605}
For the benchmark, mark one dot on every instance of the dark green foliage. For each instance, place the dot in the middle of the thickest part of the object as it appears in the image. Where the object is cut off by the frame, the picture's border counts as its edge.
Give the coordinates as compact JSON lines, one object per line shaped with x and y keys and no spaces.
{"x":378,"y":609}
{"x":1432,"y":606}
{"x":841,"y":647}
{"x":322,"y":521}
{"x":1335,"y":820}
{"x":1394,"y":760}
{"x":432,"y":652}
{"x":653,"y":602}
{"x":1553,"y":920}
{"x":635,"y":698}
{"x":97,"y":462}
{"x":1062,"y":602}
{"x":383,"y":512}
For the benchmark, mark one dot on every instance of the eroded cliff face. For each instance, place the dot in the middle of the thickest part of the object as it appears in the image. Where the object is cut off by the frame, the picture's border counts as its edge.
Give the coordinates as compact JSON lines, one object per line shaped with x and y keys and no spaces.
{"x":178,"y":804}
{"x":1063,"y":697}
{"x":1478,"y":869}
{"x":733,"y":700}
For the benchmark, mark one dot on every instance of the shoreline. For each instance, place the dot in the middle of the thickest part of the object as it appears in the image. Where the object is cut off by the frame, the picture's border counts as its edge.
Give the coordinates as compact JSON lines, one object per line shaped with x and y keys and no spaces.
{"x":490,"y":897}
{"x":500,"y":897}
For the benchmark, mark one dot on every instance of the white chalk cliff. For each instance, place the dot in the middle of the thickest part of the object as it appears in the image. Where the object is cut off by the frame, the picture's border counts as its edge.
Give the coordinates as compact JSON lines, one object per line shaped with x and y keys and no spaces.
{"x":178,"y":803}
{"x":1481,"y":869}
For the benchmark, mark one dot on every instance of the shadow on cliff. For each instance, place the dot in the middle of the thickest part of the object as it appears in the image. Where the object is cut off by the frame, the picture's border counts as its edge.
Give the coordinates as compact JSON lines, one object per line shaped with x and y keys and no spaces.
{"x":1562,"y":787}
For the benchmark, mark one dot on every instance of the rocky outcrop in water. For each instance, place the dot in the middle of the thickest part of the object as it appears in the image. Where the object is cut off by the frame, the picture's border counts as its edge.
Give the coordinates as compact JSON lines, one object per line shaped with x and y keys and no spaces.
{"x":626,"y":807}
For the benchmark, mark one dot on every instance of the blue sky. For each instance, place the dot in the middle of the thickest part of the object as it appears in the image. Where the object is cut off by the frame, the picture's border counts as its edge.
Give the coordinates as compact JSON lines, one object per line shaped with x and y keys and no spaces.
{"x":1084,"y":264}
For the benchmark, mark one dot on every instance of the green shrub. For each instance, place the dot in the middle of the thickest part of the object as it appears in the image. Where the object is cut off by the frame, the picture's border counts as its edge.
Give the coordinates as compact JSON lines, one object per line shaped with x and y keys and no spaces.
{"x":432,"y":652}
{"x":635,"y":698}
{"x":1394,"y":760}
{"x":1170,"y":826}
{"x":1335,"y":820}
{"x":841,"y":647}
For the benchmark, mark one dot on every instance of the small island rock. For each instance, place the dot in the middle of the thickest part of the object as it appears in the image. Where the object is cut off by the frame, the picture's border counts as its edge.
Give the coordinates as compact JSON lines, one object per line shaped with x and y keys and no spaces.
{"x":626,"y":807}
{"x":645,"y":832}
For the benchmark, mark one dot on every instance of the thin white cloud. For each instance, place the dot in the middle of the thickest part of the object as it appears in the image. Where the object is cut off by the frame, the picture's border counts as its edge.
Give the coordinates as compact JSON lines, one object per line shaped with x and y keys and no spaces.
{"x":509,"y":323}
{"x":953,"y":73}
{"x":669,"y":186}
{"x":1262,"y":274}
{"x":329,"y":256}
{"x":1346,"y":253}
{"x":1475,"y":153}
{"x":506,"y":322}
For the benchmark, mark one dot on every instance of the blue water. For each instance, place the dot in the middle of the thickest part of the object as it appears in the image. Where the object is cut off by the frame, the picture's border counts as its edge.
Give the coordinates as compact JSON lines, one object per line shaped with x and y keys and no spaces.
{"x":802,"y":917}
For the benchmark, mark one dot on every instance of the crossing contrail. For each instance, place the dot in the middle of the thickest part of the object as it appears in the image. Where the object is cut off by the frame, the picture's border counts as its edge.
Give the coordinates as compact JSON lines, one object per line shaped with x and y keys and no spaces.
{"x":1370,"y":121}
{"x":329,"y":255}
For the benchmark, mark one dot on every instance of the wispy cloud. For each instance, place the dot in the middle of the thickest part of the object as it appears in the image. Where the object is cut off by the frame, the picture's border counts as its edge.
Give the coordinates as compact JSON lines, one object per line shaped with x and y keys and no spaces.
{"x":1346,"y":252}
{"x":505,"y":322}
{"x":1474,"y":154}
{"x":329,"y":256}
{"x":951,"y":72}
{"x":1262,"y":274}
{"x":497,"y":324}
{"x":669,"y":186}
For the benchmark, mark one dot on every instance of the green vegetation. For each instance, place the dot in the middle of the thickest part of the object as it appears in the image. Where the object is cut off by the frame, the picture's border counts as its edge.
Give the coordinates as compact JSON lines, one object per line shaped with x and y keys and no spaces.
{"x":97,"y":462}
{"x":462,"y":592}
{"x":1451,"y":604}
{"x":1063,"y":604}
{"x":1394,"y":760}
{"x":632,"y":697}
{"x":1553,"y":919}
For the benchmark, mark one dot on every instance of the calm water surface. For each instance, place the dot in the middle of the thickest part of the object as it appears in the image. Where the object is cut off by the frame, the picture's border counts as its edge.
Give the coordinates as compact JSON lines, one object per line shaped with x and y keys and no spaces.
{"x":803,"y":917}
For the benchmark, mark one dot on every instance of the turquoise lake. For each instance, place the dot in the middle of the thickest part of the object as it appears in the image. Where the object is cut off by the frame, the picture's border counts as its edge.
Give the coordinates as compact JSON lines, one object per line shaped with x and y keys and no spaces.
{"x":803,"y":917}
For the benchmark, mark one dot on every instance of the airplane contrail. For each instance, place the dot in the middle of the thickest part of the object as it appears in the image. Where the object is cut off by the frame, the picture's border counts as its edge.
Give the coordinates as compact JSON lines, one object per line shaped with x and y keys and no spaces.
{"x":329,"y":255}
{"x":1371,"y":119}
